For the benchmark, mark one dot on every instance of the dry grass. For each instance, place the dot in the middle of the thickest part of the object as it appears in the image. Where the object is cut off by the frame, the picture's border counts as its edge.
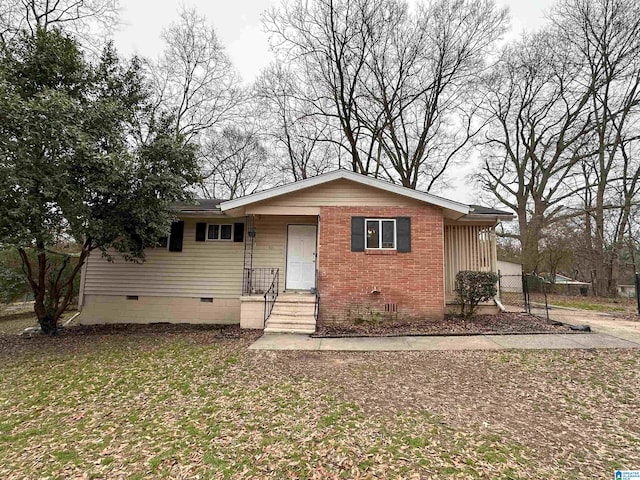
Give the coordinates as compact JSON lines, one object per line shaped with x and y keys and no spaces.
{"x":598,"y":304}
{"x":197,"y":404}
{"x":15,"y":323}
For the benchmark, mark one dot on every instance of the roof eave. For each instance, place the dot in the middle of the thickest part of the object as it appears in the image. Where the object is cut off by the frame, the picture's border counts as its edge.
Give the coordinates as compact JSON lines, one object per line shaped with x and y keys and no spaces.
{"x":199,"y":213}
{"x":484,"y":217}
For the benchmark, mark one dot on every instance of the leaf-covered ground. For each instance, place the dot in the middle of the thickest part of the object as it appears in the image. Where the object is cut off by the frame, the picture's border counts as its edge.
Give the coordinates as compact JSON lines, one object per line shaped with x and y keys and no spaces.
{"x":499,"y":323}
{"x":198,"y":404}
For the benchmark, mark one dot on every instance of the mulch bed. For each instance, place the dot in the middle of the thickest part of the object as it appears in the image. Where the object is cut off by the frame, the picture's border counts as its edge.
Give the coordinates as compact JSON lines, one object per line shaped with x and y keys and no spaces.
{"x":212,"y":330}
{"x":500,"y":323}
{"x":218,"y":331}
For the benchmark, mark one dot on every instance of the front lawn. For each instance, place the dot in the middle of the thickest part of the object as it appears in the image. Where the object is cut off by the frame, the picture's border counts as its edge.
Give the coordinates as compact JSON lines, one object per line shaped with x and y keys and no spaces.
{"x":183,"y":403}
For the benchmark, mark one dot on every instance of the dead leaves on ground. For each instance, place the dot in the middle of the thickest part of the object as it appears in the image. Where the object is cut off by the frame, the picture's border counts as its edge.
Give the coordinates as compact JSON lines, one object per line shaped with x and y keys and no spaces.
{"x":197,"y":404}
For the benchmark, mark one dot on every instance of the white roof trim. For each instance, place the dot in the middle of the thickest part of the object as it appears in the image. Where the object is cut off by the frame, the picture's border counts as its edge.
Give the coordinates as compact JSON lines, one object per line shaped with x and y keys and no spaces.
{"x":346,"y":175}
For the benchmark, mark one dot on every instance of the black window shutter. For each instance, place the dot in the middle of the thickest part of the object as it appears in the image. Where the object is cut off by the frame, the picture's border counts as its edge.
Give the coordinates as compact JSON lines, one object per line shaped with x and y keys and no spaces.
{"x":201,"y":232}
{"x":238,"y":232}
{"x":175,"y":239}
{"x":357,"y":234}
{"x":403,"y":225}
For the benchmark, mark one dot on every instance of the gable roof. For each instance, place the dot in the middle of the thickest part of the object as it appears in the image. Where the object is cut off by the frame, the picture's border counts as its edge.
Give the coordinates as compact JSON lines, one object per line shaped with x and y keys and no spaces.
{"x":343,"y":174}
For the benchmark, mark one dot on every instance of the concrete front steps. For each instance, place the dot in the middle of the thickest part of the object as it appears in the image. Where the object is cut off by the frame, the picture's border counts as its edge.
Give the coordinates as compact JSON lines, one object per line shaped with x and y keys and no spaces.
{"x":292,"y":313}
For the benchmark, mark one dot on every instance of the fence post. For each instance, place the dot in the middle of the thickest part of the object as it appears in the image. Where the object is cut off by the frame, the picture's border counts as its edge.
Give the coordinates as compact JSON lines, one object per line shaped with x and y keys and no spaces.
{"x":546,"y":302}
{"x":499,"y":285}
{"x":525,"y":293}
{"x":638,"y":290}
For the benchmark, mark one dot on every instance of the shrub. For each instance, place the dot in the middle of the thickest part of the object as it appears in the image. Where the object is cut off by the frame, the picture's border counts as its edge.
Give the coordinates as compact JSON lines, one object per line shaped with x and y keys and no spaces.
{"x":13,"y":283}
{"x":474,"y":287}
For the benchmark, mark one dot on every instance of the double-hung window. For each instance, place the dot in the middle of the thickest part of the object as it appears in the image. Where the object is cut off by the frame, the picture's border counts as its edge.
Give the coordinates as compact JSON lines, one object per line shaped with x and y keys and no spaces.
{"x":223,"y":232}
{"x":380,"y":234}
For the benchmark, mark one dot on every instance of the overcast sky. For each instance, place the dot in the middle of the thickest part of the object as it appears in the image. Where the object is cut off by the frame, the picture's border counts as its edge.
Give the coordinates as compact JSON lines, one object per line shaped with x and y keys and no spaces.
{"x":238,"y":25}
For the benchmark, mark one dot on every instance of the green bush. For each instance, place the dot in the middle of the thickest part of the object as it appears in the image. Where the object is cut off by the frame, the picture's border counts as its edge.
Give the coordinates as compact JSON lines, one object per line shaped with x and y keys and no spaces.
{"x":473,"y":288}
{"x":13,"y":282}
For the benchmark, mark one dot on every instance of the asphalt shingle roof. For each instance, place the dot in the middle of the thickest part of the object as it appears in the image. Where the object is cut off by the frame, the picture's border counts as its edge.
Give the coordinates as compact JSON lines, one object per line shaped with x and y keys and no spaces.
{"x":199,"y":205}
{"x":480,"y":210}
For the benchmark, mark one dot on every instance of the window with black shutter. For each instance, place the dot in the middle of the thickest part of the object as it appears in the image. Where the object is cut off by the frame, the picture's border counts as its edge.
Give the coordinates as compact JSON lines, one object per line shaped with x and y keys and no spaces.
{"x":201,"y":232}
{"x":357,"y":234}
{"x":403,"y":229}
{"x":381,"y":234}
{"x":238,"y":232}
{"x":176,"y":236}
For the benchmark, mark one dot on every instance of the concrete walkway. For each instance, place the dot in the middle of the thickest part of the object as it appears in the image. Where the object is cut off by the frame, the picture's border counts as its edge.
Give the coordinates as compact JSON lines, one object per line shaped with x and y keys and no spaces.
{"x":284,"y":341}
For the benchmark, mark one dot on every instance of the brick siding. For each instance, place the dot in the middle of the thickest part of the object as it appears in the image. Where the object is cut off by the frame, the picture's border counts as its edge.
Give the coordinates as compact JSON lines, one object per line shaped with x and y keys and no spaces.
{"x":413,"y":280}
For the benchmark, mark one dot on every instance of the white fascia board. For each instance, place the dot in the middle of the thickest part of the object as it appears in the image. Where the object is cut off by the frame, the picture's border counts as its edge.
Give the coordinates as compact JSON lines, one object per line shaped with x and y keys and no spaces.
{"x":346,"y":175}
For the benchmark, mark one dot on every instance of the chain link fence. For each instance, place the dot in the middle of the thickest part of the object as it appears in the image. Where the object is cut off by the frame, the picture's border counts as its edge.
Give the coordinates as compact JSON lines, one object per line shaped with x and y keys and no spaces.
{"x":526,"y":293}
{"x":532,"y":293}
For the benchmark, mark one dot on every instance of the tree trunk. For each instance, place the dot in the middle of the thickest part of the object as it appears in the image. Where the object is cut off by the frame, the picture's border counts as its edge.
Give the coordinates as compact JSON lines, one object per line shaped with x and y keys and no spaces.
{"x":601,"y":278}
{"x":49,"y":323}
{"x":529,"y":241}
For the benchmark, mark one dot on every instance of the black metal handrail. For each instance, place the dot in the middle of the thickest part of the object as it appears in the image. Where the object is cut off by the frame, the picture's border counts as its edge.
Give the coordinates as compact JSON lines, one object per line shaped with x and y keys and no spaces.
{"x":316,"y":309}
{"x":271,"y":295}
{"x":256,"y":281}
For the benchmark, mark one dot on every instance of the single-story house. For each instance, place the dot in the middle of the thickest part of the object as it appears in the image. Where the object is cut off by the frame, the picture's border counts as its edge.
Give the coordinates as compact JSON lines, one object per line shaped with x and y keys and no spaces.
{"x":627,"y":291}
{"x":338,"y":247}
{"x":566,"y":285}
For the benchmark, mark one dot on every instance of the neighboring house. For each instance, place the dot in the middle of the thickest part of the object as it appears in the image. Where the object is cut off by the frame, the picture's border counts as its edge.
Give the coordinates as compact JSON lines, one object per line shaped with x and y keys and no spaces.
{"x":339,"y":247}
{"x":567,"y":285}
{"x":509,"y":268}
{"x":510,"y":276}
{"x":627,"y":291}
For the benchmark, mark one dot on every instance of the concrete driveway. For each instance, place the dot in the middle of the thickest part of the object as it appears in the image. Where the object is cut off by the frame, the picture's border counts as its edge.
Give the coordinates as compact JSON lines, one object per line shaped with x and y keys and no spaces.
{"x":599,"y":322}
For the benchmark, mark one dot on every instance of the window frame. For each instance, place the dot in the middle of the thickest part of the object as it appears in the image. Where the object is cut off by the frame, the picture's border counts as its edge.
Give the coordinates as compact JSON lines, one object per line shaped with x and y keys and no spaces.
{"x":380,"y":220}
{"x":219,"y":239}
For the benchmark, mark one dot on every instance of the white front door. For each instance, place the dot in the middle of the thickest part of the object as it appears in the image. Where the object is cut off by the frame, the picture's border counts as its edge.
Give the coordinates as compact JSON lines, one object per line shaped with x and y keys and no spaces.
{"x":301,"y":257}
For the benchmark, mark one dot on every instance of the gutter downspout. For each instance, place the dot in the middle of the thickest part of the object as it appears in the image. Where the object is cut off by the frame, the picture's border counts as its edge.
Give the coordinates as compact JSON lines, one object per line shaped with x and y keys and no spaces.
{"x":499,"y":304}
{"x":73,"y":317}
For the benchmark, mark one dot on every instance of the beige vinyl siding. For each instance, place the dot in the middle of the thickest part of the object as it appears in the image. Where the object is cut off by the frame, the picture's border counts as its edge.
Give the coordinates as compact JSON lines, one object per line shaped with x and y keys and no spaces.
{"x":270,"y":248}
{"x":467,"y":247}
{"x":201,"y":269}
{"x":339,"y":193}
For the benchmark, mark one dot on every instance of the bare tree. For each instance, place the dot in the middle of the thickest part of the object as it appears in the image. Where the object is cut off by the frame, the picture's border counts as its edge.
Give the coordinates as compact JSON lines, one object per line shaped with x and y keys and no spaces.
{"x":92,"y":21}
{"x":196,"y":83}
{"x":324,"y":40}
{"x":301,"y":137}
{"x":424,"y":72}
{"x":194,"y":79}
{"x":394,"y":84}
{"x":235,"y":164}
{"x":540,"y":128}
{"x":605,"y":36}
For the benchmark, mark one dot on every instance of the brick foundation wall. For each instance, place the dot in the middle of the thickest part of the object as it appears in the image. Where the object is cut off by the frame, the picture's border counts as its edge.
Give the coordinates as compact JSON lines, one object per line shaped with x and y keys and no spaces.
{"x":413,"y":280}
